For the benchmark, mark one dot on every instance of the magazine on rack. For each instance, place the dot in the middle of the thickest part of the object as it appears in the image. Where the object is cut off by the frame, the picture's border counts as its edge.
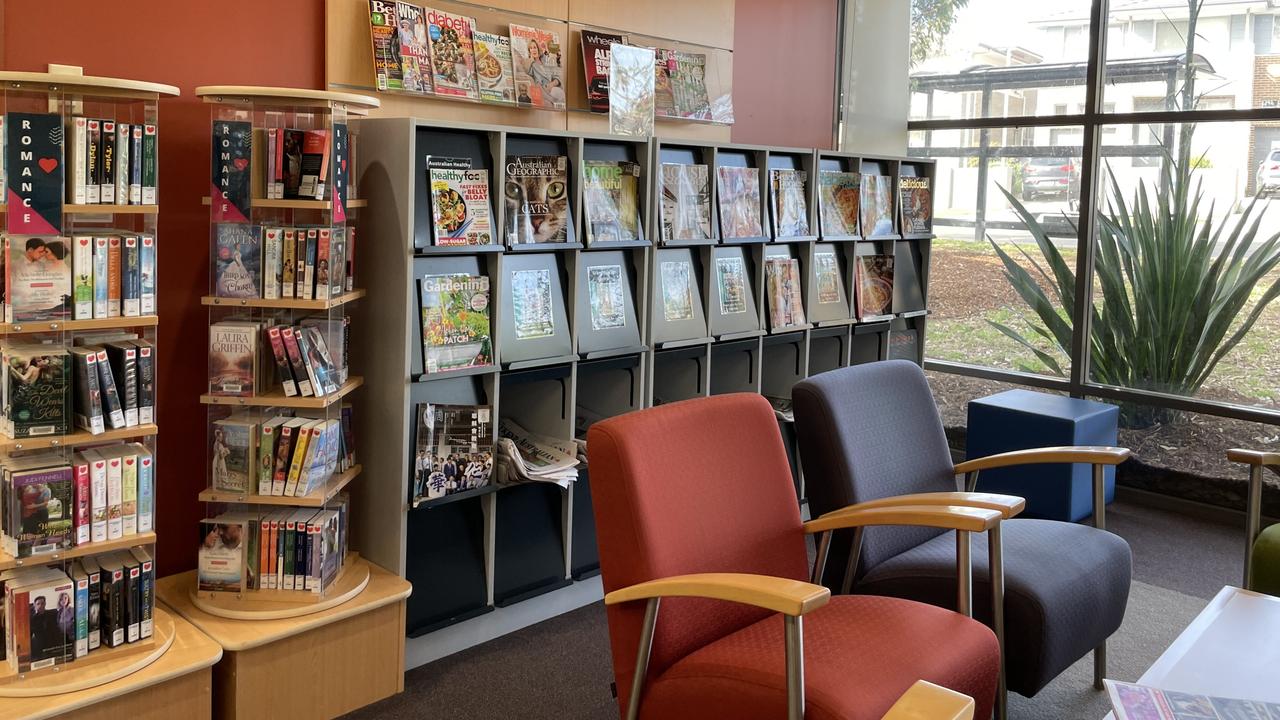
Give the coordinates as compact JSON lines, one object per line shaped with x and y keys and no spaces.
{"x":786,"y":307}
{"x":790,"y":210}
{"x":838,"y":194}
{"x":459,"y":202}
{"x":877,"y":205}
{"x":686,"y":202}
{"x":452,"y":58}
{"x":595,"y":65}
{"x":609,"y":201}
{"x":383,"y":28}
{"x":537,"y":66}
{"x":739,"y":196}
{"x":493,"y":67}
{"x":415,"y":53}
{"x":537,"y":192}
{"x":525,"y":456}
{"x":455,"y":322}
{"x":454,"y":450}
{"x":631,"y":90}
{"x":917,"y":205}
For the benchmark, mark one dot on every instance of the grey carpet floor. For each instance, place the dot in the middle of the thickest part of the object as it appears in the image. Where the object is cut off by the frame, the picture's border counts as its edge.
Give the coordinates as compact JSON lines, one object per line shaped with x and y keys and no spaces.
{"x":560,"y":669}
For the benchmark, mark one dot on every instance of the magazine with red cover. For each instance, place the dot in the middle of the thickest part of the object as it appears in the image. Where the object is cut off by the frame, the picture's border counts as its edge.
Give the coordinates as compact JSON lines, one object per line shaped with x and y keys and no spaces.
{"x":595,"y":66}
{"x":386,"y":46}
{"x":453,"y":69}
{"x":539,"y":73}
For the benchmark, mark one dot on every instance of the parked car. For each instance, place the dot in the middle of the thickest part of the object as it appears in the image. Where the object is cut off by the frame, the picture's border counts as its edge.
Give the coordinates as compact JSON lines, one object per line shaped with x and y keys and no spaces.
{"x":1050,"y":177}
{"x":1268,"y":180}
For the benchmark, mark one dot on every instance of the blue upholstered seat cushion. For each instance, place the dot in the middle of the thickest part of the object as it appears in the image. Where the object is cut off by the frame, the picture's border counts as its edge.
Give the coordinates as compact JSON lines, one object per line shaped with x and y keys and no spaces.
{"x":1066,"y":588}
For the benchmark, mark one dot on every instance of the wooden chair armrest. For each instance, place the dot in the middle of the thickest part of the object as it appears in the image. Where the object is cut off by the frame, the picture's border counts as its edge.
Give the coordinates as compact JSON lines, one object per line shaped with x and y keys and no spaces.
{"x":1253,"y":457}
{"x":1092,"y":455}
{"x":926,"y":701}
{"x":1008,"y":505}
{"x":947,"y":517}
{"x":789,"y":597}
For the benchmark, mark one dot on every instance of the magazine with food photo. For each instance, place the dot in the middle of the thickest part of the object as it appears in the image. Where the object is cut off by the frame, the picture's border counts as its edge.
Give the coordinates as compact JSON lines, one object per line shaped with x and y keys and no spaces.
{"x":455,"y":322}
{"x":595,"y":65}
{"x":609,"y":200}
{"x":608,"y":305}
{"x":453,"y":449}
{"x":739,"y":199}
{"x":493,"y":67}
{"x":874,"y":282}
{"x":531,"y":306}
{"x":790,"y":209}
{"x":731,"y":277}
{"x":838,"y":194}
{"x":415,"y":54}
{"x":452,"y":57}
{"x":631,"y":90}
{"x":460,"y":206}
{"x":686,"y":202}
{"x":383,"y":28}
{"x":677,"y":291}
{"x":537,"y":199}
{"x":537,"y":67}
{"x":917,"y":205}
{"x":786,"y":308}
{"x":877,"y":205}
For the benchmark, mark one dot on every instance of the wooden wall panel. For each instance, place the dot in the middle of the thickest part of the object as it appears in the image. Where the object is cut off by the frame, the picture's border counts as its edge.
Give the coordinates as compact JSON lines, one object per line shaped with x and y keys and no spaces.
{"x":704,"y":22}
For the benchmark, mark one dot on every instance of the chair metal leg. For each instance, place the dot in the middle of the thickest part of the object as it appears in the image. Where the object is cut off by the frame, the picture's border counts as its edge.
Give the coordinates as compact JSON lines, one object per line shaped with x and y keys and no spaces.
{"x":1253,"y":521}
{"x":820,"y":563}
{"x":964,"y":574}
{"x":851,"y":567}
{"x":995,"y":563}
{"x":1100,"y":497}
{"x":1099,"y":665}
{"x":642,"y":658}
{"x":795,"y":666}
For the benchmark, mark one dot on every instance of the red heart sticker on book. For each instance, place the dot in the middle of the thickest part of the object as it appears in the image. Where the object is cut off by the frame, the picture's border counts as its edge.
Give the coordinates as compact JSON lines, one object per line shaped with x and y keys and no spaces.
{"x":48,"y":164}
{"x":115,"y":463}
{"x":241,"y":163}
{"x":128,"y":462}
{"x":84,"y":242}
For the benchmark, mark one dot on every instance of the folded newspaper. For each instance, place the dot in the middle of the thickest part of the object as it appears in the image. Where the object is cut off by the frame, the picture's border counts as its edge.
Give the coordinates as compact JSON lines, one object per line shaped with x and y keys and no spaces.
{"x":524,"y":456}
{"x":1139,"y":702}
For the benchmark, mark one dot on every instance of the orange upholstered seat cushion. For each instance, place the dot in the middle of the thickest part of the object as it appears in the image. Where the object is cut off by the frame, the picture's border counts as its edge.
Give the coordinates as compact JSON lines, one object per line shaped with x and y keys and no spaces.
{"x":860,"y":654}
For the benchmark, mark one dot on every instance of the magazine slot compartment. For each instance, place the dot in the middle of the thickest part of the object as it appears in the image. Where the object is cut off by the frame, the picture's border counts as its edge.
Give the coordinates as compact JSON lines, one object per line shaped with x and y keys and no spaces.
{"x":677,"y":306}
{"x":524,"y":145}
{"x":735,"y":366}
{"x":741,"y":157}
{"x":470,"y":390}
{"x":828,"y":161}
{"x":478,"y":146}
{"x":904,"y":340}
{"x":829,"y":298}
{"x":838,"y":162}
{"x":539,"y":400}
{"x":537,"y":330}
{"x":529,"y":541}
{"x":734,"y":313}
{"x":783,"y":252}
{"x":584,"y":554}
{"x":865,"y":249}
{"x":482,"y":264}
{"x":602,"y":150}
{"x":910,"y":259}
{"x":606,"y":288}
{"x":685,"y":154}
{"x":784,"y":362}
{"x":885,"y":168}
{"x":828,"y":349}
{"x":793,"y":159}
{"x":868,"y":343}
{"x":680,"y":373}
{"x":445,"y":559}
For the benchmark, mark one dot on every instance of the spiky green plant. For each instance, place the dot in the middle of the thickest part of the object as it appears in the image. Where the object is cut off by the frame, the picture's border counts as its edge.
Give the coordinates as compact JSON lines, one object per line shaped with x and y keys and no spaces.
{"x":1171,"y":291}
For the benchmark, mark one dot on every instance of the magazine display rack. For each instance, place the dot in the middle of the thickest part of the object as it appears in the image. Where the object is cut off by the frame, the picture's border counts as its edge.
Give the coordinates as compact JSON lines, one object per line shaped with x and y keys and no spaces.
{"x":45,"y":221}
{"x":281,"y":438}
{"x":495,"y":546}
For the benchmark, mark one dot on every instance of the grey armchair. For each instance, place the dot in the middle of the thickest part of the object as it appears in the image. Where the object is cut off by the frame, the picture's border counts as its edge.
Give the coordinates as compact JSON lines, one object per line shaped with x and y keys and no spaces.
{"x":872,"y":432}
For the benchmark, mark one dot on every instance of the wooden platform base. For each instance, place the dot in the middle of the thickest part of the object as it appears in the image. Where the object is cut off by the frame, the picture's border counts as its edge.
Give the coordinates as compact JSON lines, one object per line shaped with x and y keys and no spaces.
{"x":175,"y":683}
{"x":278,"y":605}
{"x":350,"y":655}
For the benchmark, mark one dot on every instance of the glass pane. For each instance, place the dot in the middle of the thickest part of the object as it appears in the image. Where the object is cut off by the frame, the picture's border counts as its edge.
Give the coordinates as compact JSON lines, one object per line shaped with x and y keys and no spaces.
{"x":1231,"y":43}
{"x":988,"y":270}
{"x":995,"y":58}
{"x":1183,"y":278}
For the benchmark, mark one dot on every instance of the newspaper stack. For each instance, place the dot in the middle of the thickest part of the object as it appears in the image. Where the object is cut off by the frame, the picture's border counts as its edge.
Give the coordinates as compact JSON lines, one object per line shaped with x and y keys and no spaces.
{"x":524,"y":456}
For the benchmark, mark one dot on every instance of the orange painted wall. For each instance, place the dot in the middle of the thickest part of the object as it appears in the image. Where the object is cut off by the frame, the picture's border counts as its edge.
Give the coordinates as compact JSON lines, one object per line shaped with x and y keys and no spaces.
{"x":231,"y":42}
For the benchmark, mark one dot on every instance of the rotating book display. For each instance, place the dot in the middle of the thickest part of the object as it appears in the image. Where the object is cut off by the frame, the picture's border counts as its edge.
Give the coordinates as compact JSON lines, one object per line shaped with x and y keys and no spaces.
{"x":281,"y":446}
{"x":621,"y":274}
{"x":78,"y":341}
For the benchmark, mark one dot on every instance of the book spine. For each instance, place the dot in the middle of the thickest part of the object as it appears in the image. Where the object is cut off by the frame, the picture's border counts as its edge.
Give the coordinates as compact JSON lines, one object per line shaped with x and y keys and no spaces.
{"x":300,"y":275}
{"x":84,"y":503}
{"x":82,"y":616}
{"x":124,"y":369}
{"x":266,"y":458}
{"x":82,"y":277}
{"x":308,"y":363}
{"x":149,"y":165}
{"x":270,"y":169}
{"x":92,"y":155}
{"x":338,"y":263}
{"x":146,"y":490}
{"x":348,"y":436}
{"x":314,"y":543}
{"x":271,"y":263}
{"x":282,"y":361}
{"x":114,"y":635}
{"x":88,"y":395}
{"x":302,"y":445}
{"x":133,"y":603}
{"x":110,"y":394}
{"x":146,"y":598}
{"x":323,"y":248}
{"x":291,"y":347}
{"x":107,"y":190}
{"x":288,"y":264}
{"x":76,"y":160}
{"x":98,"y":503}
{"x":122,"y":162}
{"x":273,"y":549}
{"x":95,"y":600}
{"x":101,"y":304}
{"x":281,"y":463}
{"x":135,"y":165}
{"x":351,"y":259}
{"x":131,"y":278}
{"x":129,"y":494}
{"x":115,"y":498}
{"x":147,"y":274}
{"x":146,"y":383}
{"x":113,"y":276}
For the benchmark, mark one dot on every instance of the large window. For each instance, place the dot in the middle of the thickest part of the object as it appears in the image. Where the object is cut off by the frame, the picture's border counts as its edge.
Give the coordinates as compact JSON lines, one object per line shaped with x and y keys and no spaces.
{"x":1145,"y":176}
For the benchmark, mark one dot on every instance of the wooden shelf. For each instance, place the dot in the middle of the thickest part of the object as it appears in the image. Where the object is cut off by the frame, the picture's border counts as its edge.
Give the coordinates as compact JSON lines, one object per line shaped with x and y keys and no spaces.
{"x":111,"y":323}
{"x":316,"y":498}
{"x":74,"y":83}
{"x":70,"y":209}
{"x":8,"y":562}
{"x":276,"y":398}
{"x":244,"y":94}
{"x":289,"y":303}
{"x":352,"y":204}
{"x":76,"y":439}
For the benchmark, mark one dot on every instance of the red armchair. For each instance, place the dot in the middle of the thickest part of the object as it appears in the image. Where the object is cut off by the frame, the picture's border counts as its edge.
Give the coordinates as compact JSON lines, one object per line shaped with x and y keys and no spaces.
{"x":696,"y":515}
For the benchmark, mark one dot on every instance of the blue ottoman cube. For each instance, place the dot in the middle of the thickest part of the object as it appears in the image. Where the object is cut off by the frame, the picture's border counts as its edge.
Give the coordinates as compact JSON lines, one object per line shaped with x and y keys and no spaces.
{"x":1021,"y":420}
